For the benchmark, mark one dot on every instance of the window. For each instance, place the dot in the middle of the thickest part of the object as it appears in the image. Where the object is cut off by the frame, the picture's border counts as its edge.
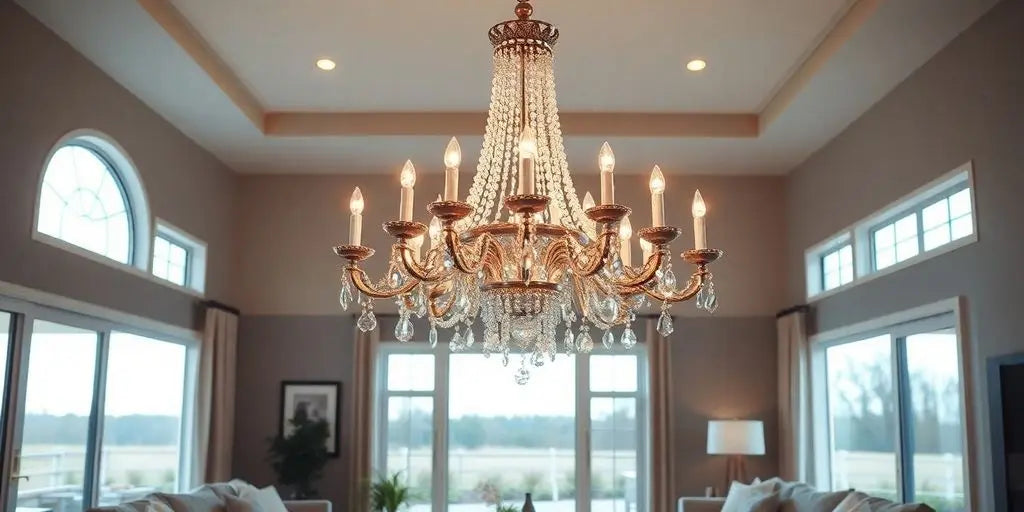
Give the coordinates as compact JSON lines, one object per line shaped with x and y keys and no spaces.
{"x":933,"y":225}
{"x":91,"y":199}
{"x":837,"y":267}
{"x":102,"y":420}
{"x":925,"y":223}
{"x":895,"y":425}
{"x":179,"y":257}
{"x":497,"y":449}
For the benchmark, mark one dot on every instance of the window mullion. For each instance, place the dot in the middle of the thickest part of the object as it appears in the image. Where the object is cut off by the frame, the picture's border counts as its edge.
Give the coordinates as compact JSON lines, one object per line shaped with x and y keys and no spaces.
{"x":439,"y":482}
{"x":905,"y":415}
{"x":583,"y":429}
{"x":94,"y":441}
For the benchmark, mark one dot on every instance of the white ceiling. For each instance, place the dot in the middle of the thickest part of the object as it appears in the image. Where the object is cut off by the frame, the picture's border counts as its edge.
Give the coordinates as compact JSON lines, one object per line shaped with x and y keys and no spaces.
{"x":434,"y":57}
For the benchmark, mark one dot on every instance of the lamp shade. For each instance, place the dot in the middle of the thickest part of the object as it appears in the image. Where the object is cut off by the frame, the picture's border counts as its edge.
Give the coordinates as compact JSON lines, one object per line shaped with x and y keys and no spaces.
{"x":735,"y":437}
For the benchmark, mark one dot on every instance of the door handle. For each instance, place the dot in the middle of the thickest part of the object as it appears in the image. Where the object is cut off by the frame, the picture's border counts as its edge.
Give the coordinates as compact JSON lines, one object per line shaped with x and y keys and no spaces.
{"x":20,"y":477}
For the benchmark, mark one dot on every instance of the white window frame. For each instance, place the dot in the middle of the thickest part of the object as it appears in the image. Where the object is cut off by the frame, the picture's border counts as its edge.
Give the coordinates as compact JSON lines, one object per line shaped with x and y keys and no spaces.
{"x":135,"y":196}
{"x":860,"y":234}
{"x":942,"y":314}
{"x":195,"y":261}
{"x":28,"y":305}
{"x":439,"y":491}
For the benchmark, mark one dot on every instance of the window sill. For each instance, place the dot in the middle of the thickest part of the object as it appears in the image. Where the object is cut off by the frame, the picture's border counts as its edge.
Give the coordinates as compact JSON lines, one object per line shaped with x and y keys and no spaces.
{"x":99,"y":258}
{"x":925,"y":256}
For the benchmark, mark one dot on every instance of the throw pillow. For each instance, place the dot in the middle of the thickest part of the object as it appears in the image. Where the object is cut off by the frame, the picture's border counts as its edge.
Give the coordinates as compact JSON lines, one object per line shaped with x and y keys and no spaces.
{"x":202,"y":500}
{"x":804,"y":498}
{"x":241,"y":505}
{"x":762,"y":497}
{"x":857,"y":501}
{"x":267,"y":499}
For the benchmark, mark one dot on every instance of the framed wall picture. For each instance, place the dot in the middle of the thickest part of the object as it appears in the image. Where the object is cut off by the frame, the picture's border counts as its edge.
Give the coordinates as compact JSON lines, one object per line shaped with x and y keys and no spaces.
{"x":314,"y":400}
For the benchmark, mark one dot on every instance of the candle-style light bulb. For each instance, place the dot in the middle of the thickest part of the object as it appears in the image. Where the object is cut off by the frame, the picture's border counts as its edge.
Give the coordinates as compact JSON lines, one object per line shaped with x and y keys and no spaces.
{"x":625,"y":229}
{"x":699,"y":210}
{"x":657,"y":197}
{"x":452,"y":159}
{"x":657,"y":180}
{"x":606,"y":161}
{"x":606,"y":158}
{"x":588,"y":201}
{"x":408,"y":177}
{"x":355,"y":221}
{"x":434,"y":230}
{"x":356,"y":204}
{"x":452,"y":154}
{"x":528,"y":143}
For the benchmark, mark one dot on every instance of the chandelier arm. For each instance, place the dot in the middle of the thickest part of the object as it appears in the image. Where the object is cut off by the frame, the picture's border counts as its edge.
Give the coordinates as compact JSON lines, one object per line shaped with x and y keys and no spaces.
{"x":646,"y":273}
{"x":421,"y":272}
{"x":487,"y":251}
{"x":693,"y":287}
{"x":439,"y":312}
{"x":598,"y":256}
{"x":361,"y":280}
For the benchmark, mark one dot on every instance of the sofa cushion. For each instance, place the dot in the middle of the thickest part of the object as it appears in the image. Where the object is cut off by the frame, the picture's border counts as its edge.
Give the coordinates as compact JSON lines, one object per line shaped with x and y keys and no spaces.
{"x":804,"y":498}
{"x":857,"y":501}
{"x":241,"y":505}
{"x":760,"y":497}
{"x":266,"y":499}
{"x":203,"y":499}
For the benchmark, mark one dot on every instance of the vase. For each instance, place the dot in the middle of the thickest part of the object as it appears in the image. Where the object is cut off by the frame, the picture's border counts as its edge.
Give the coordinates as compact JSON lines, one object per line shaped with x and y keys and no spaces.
{"x":528,"y":504}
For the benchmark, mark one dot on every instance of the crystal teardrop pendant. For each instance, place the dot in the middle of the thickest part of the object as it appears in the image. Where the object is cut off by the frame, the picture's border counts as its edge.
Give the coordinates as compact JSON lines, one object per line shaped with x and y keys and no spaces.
{"x":665,"y":327}
{"x":537,"y":359}
{"x":608,"y":308}
{"x":608,"y":340}
{"x":367,"y":321}
{"x":628,"y":339}
{"x":522,"y":375}
{"x":667,"y":284}
{"x":469,"y":339}
{"x":403,"y":329}
{"x":345,"y":296}
{"x":570,"y":344}
{"x":584,"y":343}
{"x":711,"y":301}
{"x":432,"y":337}
{"x":456,"y":343}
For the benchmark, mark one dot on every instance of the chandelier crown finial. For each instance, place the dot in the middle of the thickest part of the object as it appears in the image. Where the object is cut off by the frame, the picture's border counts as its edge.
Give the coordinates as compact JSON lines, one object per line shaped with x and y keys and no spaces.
{"x":524,"y":10}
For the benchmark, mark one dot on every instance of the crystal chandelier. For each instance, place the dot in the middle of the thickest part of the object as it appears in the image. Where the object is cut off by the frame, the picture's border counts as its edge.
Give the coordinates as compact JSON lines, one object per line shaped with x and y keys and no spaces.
{"x":522,"y":254}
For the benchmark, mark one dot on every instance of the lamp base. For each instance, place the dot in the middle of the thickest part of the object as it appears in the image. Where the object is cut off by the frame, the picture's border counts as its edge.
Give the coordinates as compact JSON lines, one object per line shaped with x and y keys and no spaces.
{"x":735,"y":471}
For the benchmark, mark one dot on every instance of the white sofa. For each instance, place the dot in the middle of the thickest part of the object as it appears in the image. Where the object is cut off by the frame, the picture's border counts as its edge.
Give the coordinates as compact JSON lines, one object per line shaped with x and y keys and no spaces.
{"x":800,"y":497}
{"x":208,"y":498}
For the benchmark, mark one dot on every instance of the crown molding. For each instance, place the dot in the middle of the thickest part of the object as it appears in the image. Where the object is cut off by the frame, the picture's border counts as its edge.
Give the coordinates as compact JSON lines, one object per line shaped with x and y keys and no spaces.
{"x":619,"y":124}
{"x":193,"y":43}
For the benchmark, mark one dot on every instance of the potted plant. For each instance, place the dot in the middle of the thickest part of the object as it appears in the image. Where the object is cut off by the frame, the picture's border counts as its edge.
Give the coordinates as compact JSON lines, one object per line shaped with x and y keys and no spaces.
{"x":387,"y":494}
{"x":299,"y":458}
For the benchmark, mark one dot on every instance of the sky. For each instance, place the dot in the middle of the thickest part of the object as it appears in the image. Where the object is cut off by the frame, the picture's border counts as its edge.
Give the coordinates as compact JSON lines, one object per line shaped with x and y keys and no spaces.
{"x":144,"y":376}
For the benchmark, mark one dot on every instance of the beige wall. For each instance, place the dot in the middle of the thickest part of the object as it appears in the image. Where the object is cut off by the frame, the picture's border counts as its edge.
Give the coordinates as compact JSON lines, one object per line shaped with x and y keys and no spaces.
{"x":288,"y":224}
{"x":49,"y":90}
{"x":964,"y":104}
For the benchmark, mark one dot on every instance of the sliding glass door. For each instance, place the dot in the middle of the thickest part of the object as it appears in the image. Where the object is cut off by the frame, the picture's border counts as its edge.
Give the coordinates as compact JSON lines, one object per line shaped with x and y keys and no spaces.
{"x":93,"y":415}
{"x":896,"y":424}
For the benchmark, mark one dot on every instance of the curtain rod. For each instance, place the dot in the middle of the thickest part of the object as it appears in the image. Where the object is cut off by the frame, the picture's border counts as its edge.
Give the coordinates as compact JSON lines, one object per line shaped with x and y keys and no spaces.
{"x":793,"y":309}
{"x":220,"y":305}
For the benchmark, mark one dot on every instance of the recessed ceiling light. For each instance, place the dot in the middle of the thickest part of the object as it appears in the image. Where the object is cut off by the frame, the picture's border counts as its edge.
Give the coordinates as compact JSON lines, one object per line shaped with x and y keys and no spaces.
{"x":325,"y":64}
{"x":696,"y":65}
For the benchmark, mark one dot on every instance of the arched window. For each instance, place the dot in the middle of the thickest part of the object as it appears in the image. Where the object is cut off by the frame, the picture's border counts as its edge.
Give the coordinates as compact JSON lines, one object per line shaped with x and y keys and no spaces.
{"x":91,"y":198}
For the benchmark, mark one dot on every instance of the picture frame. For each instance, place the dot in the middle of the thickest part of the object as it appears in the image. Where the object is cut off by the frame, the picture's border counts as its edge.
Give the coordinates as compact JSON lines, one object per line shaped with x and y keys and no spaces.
{"x":319,"y":399}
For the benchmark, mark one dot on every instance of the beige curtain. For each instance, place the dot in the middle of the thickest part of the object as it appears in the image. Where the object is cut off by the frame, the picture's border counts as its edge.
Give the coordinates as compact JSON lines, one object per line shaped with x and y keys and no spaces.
{"x":215,"y":397}
{"x":364,"y":359}
{"x":795,"y":457}
{"x":659,"y":357}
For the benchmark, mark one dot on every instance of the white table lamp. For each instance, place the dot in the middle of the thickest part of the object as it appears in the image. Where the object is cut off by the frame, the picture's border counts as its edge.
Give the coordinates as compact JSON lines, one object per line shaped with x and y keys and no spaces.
{"x":735,"y":438}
